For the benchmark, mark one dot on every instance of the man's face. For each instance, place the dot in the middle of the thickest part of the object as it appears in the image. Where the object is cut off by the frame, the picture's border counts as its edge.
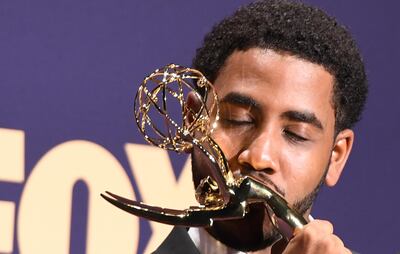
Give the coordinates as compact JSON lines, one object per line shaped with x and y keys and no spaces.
{"x":277,"y":126}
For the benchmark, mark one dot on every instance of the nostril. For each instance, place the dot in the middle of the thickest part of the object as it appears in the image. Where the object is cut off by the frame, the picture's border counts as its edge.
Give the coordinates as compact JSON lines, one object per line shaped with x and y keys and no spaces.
{"x":268,"y":171}
{"x":248,"y":169}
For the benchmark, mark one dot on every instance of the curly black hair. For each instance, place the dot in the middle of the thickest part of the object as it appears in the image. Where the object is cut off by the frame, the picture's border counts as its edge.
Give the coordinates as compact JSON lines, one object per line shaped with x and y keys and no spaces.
{"x":301,"y":30}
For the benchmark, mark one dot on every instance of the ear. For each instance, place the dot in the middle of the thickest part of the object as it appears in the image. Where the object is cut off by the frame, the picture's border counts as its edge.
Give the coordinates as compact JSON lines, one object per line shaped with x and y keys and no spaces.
{"x":192,"y":105}
{"x":340,"y":153}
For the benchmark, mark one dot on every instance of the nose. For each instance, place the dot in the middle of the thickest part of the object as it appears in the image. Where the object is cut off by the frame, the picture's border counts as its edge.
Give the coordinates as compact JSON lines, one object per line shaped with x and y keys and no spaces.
{"x":260,"y":154}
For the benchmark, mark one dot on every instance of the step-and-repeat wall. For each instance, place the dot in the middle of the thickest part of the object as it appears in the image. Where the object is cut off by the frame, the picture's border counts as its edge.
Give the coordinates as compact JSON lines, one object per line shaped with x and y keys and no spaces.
{"x":69,"y":71}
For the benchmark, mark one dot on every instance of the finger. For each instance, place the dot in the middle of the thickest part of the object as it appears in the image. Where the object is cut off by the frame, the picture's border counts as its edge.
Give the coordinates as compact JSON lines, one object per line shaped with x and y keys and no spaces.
{"x":337,"y":243}
{"x":321,"y":227}
{"x":333,"y":244}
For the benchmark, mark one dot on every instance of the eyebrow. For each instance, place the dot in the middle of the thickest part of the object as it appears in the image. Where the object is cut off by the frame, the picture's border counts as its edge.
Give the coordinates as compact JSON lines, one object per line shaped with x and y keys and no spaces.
{"x":293,"y":115}
{"x":240,"y":99}
{"x":304,"y":116}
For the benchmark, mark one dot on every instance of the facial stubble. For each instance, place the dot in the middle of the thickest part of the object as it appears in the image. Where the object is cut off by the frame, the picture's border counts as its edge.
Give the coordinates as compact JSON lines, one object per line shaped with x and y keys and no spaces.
{"x":269,"y":237}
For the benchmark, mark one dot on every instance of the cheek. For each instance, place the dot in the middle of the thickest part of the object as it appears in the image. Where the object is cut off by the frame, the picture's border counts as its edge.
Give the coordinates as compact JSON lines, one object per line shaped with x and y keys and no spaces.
{"x":303,"y":170}
{"x":230,"y":145}
{"x":231,"y":141}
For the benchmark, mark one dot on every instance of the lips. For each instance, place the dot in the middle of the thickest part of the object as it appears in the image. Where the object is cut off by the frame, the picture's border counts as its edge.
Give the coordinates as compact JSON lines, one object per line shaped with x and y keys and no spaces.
{"x":260,"y":177}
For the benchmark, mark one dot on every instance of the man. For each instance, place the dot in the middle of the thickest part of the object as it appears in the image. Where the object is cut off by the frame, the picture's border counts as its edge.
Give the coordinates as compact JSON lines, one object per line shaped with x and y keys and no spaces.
{"x":291,"y":85}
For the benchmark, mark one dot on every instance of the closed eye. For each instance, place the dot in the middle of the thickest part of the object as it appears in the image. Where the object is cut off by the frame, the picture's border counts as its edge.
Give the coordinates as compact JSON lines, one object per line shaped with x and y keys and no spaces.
{"x":293,"y":137}
{"x":235,"y":122}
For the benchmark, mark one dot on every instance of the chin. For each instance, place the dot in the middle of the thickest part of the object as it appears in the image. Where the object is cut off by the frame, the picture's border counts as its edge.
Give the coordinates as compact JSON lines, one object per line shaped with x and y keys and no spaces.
{"x":254,"y":232}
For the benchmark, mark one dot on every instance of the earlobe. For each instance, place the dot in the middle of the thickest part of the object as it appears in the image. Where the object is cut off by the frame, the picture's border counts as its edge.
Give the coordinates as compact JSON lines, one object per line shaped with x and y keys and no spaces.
{"x":340,"y":153}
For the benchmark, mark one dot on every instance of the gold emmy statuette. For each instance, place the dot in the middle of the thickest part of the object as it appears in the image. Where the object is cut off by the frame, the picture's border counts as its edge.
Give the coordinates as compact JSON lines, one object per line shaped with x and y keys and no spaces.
{"x":221,"y":196}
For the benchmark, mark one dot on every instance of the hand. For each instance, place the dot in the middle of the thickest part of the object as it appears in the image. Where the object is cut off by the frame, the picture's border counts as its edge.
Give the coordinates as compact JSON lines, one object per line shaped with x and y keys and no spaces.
{"x":315,"y":237}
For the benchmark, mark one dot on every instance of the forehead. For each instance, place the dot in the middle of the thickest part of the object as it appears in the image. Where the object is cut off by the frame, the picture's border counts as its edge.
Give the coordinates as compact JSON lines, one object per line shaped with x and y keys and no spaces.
{"x":278,"y":81}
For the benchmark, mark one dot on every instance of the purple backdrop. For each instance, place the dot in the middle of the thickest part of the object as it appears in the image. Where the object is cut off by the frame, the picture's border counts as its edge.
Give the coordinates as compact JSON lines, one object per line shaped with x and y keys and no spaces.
{"x":69,"y":70}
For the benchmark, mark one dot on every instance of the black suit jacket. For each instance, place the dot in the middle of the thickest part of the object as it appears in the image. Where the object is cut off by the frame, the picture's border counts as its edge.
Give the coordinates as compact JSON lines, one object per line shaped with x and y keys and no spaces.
{"x":179,"y":242}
